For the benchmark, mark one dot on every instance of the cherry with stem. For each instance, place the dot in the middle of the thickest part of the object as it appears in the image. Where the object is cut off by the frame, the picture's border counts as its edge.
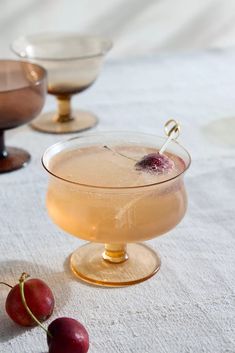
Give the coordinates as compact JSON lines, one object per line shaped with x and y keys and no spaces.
{"x":22,"y":279}
{"x":63,"y":334}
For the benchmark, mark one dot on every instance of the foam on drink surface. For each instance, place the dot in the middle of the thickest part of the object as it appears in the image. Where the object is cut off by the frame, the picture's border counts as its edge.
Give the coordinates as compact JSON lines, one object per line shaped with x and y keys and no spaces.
{"x":114,"y":166}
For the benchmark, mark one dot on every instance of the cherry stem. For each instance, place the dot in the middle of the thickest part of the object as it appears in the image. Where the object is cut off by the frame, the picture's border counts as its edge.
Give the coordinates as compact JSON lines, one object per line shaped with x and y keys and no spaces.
{"x":120,"y":154}
{"x":22,"y":279}
{"x":6,"y":284}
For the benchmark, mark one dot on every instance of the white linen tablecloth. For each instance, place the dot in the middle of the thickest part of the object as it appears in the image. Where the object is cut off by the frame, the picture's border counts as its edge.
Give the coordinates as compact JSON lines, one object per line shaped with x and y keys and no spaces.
{"x":189,"y":305}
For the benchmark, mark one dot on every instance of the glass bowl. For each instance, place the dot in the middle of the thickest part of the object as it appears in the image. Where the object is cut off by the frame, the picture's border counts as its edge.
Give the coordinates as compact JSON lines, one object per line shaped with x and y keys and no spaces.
{"x":22,"y":96}
{"x":114,"y":212}
{"x":73,"y":63}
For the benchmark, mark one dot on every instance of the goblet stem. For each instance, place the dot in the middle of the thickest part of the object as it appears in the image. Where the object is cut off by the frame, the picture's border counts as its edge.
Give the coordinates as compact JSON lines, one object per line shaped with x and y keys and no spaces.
{"x":64,"y":109}
{"x":3,"y":151}
{"x":115,"y":253}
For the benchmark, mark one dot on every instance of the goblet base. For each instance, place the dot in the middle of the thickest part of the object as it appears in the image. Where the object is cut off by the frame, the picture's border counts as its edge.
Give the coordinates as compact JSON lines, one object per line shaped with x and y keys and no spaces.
{"x":81,"y":120}
{"x":88,"y":264}
{"x":15,"y":158}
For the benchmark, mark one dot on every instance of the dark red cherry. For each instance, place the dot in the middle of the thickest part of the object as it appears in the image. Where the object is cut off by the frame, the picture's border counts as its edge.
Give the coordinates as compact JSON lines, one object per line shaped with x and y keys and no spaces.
{"x":39,"y":298}
{"x":155,"y":163}
{"x":67,"y":335}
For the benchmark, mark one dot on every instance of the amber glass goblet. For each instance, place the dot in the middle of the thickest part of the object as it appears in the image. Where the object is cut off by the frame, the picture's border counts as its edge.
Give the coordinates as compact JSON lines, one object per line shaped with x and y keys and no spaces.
{"x":22,"y":95}
{"x":73,"y":63}
{"x":96,"y":194}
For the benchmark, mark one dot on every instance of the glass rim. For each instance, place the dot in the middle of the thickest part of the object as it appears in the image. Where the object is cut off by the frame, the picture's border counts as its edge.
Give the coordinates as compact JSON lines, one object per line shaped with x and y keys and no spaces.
{"x":107,"y":47}
{"x":98,"y":187}
{"x":32,"y":83}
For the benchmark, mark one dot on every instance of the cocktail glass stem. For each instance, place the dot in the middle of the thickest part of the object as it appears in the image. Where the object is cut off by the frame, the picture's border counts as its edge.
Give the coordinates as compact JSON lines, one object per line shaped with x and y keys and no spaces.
{"x":64,"y":113}
{"x":115,"y":253}
{"x":3,"y":151}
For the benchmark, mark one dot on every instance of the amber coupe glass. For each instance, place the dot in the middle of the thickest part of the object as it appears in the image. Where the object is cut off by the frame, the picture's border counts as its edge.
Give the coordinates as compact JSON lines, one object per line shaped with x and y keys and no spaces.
{"x":113,"y":218}
{"x":73,"y":63}
{"x":22,"y":95}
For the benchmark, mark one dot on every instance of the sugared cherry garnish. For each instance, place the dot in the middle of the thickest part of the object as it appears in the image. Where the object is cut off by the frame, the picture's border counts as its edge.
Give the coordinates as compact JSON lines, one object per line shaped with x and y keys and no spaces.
{"x":155,"y":163}
{"x":39,"y":299}
{"x":67,"y":335}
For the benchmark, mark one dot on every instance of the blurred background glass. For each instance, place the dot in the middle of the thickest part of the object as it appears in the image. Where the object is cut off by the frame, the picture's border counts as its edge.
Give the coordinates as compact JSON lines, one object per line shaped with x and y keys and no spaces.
{"x":137,"y":27}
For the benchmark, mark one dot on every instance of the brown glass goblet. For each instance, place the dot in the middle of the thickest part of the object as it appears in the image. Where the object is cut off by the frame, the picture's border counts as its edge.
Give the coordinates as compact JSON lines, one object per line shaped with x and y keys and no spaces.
{"x":73,"y":63}
{"x":22,"y":95}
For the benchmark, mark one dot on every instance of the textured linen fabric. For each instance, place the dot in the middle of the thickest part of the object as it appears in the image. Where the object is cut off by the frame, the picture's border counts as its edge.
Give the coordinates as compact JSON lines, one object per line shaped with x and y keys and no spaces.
{"x":189,"y":305}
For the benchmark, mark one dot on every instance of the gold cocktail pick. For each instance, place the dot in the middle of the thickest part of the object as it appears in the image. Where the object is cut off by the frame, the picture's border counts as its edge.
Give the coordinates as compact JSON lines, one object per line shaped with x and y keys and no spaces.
{"x":172,"y":130}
